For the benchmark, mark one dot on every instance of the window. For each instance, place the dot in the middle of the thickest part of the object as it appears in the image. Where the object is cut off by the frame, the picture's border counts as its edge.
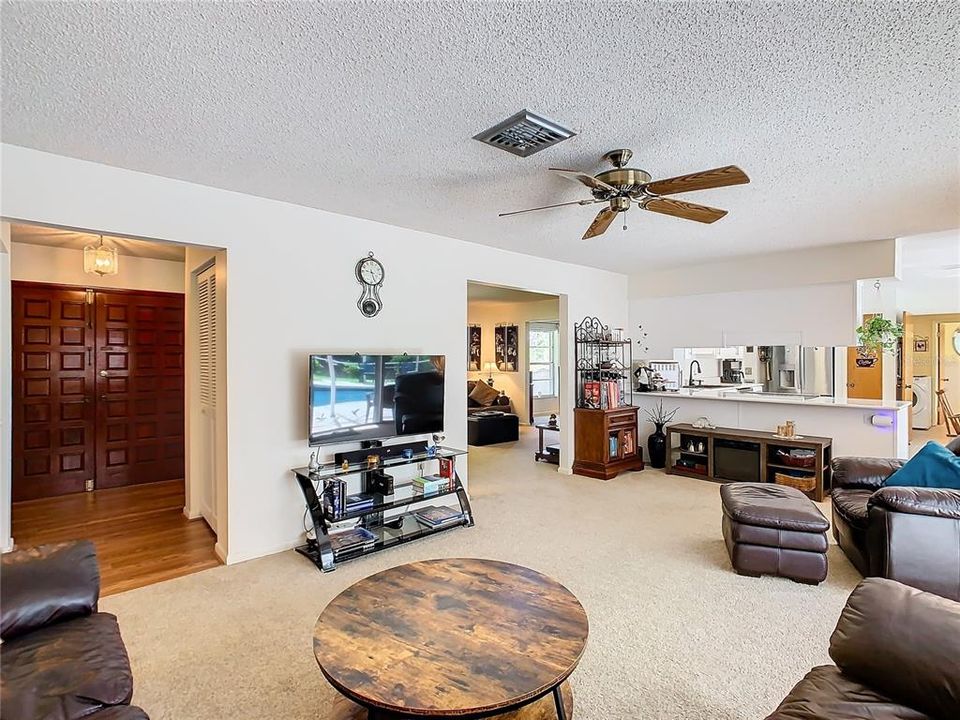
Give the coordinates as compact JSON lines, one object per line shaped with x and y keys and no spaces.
{"x":543,"y":354}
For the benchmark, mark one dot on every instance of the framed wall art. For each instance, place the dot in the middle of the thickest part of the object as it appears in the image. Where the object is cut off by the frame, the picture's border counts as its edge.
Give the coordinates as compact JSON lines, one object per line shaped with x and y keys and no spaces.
{"x":507,"y":346}
{"x":474,"y":345}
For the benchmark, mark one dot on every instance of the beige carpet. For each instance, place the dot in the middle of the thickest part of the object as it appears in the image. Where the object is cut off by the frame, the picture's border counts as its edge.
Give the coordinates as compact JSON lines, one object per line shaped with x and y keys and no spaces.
{"x":674,"y":633}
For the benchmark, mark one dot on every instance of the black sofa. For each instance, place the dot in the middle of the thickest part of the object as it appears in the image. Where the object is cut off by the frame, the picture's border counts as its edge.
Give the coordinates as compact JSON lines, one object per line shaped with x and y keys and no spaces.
{"x":896,"y":653}
{"x":906,"y":534}
{"x":60,"y":659}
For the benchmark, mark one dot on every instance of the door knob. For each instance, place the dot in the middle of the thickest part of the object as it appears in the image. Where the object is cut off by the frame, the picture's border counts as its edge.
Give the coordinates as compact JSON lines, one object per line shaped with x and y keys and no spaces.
{"x":103,"y":373}
{"x":850,"y":384}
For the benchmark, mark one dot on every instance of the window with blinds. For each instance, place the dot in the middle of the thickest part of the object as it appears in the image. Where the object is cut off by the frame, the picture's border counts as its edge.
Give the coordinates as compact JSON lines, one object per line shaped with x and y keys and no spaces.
{"x":207,"y":342}
{"x":543,"y":353}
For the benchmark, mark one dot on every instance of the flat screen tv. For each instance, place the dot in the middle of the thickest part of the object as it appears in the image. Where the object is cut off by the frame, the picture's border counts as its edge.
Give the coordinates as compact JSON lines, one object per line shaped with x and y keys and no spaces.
{"x":372,"y":397}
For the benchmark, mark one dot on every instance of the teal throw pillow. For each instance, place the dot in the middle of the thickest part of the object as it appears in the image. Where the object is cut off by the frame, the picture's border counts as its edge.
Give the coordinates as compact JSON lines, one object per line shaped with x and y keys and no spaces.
{"x":933,"y":467}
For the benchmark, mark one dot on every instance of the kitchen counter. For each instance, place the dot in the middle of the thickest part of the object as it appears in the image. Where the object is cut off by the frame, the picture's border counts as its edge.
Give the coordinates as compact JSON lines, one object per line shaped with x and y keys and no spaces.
{"x":871,"y":428}
{"x":727,"y":395}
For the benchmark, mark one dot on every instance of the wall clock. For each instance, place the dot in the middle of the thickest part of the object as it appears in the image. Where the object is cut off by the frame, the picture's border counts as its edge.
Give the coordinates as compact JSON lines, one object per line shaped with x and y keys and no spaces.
{"x":370,"y":274}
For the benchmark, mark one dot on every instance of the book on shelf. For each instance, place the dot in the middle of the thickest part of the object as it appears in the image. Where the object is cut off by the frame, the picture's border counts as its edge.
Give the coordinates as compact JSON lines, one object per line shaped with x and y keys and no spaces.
{"x":602,"y":393}
{"x":446,"y":467}
{"x":438,"y":515}
{"x":359,"y":501}
{"x":333,"y":497}
{"x":430,"y":484}
{"x":352,"y":540}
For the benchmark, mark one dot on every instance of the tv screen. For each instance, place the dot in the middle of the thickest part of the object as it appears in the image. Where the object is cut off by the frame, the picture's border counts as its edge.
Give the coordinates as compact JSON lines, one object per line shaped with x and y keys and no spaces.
{"x":371,"y":397}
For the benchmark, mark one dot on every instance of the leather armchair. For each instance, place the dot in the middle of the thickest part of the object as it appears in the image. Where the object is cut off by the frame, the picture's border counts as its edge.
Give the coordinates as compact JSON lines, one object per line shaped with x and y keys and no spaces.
{"x":907,"y":534}
{"x":61,"y":659}
{"x":895,"y":650}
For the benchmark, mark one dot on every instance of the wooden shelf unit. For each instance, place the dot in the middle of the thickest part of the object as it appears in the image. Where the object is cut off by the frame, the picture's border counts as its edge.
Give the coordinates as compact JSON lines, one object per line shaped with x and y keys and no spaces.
{"x":769,"y":443}
{"x":606,"y":442}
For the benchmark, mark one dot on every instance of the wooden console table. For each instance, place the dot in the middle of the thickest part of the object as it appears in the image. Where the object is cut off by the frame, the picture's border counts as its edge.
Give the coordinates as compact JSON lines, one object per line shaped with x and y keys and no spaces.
{"x":766,"y":444}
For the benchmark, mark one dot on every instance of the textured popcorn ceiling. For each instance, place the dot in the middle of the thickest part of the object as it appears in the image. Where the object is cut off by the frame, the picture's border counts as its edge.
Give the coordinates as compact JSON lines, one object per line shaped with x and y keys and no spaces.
{"x":845,"y":115}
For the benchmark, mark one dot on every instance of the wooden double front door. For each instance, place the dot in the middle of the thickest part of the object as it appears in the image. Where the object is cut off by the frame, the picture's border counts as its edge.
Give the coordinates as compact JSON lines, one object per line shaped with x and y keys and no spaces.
{"x":97,"y":389}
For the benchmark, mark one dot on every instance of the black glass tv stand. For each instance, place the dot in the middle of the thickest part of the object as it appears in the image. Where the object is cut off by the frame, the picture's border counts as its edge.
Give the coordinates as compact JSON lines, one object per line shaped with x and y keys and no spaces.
{"x":387,"y":531}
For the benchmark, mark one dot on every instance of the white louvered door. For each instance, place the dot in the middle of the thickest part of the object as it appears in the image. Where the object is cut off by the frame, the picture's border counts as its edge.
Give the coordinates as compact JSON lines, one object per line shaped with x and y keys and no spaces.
{"x":207,"y":319}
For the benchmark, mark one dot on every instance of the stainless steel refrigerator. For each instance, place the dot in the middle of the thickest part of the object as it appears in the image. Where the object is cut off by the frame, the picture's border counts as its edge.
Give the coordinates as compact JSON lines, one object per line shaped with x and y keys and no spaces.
{"x":797,"y":370}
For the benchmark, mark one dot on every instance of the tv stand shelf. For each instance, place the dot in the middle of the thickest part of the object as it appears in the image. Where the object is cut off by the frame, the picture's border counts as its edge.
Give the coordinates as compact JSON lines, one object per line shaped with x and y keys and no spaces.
{"x":815,"y":479}
{"x":387,"y":532}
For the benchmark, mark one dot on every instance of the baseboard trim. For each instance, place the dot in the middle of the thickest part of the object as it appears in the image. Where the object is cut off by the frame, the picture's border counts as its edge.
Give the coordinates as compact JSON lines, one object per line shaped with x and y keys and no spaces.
{"x":234,"y":559}
{"x":565,"y":470}
{"x":220,"y":553}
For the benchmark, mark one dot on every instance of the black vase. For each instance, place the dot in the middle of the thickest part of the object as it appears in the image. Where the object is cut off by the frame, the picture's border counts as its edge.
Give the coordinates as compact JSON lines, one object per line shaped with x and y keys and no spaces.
{"x":657,"y":447}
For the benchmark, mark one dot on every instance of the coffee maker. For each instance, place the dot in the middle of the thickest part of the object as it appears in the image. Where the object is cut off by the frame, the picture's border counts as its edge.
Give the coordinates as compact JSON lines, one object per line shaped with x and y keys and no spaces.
{"x":732,"y":371}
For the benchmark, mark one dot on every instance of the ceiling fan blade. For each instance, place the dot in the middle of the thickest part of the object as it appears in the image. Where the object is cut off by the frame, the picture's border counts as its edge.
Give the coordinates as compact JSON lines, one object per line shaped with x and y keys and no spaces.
{"x":582,"y":177}
{"x":547,"y":207}
{"x":704,"y":180}
{"x":685,"y":210}
{"x":600,"y":223}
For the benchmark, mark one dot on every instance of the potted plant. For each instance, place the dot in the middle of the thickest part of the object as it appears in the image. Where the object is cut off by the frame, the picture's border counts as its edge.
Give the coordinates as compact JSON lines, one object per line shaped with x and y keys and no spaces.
{"x":657,"y":442}
{"x":878,"y":335}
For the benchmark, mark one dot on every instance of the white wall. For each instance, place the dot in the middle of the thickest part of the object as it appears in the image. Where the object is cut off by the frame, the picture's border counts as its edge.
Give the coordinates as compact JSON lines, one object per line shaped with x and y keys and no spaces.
{"x":64,"y":266}
{"x":773,"y":270}
{"x":487,"y":314}
{"x":6,"y":388}
{"x":806,"y":297}
{"x":814,"y":315}
{"x":292,"y":291}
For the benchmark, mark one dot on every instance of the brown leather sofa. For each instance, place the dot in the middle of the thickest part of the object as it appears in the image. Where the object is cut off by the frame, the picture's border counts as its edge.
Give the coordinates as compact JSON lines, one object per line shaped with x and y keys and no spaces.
{"x":502,"y":403}
{"x":906,"y":534}
{"x":895,"y":649}
{"x":896,"y":653}
{"x":60,"y":659}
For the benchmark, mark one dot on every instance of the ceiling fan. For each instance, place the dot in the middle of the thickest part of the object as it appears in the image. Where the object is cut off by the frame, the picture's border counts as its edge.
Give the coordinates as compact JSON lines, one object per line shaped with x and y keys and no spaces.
{"x":623,"y":186}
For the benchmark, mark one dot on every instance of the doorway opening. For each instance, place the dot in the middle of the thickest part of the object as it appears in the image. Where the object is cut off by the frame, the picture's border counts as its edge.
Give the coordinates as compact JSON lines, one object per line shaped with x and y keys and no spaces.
{"x":115,"y":374}
{"x":514,"y":370}
{"x":930,"y":376}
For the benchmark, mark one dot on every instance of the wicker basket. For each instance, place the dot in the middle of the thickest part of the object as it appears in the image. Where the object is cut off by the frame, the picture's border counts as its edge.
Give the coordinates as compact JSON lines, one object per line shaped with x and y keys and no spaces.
{"x":807,"y":483}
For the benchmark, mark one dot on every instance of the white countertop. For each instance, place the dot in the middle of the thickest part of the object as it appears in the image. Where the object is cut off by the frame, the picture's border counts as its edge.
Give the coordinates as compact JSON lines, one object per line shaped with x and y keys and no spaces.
{"x":724,"y":394}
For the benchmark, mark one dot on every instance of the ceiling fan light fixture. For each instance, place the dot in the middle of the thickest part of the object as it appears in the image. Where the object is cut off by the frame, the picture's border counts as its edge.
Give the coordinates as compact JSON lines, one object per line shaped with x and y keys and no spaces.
{"x":100,"y":259}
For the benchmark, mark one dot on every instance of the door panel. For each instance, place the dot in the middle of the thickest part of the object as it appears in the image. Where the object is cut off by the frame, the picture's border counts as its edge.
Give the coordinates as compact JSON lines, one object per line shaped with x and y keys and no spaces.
{"x":949,"y":367}
{"x":53,"y":386}
{"x":864,"y":382}
{"x":140,"y":412}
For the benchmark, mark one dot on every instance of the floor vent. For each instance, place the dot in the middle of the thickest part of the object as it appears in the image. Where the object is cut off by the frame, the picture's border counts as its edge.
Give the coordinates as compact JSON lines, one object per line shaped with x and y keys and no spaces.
{"x":524,"y":134}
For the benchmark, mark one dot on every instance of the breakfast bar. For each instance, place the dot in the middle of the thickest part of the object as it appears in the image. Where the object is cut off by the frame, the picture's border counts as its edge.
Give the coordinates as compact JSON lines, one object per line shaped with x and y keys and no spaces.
{"x":871,"y":428}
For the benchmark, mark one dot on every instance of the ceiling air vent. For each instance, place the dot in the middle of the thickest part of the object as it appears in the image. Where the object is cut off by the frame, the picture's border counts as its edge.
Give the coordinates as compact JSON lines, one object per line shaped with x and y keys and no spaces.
{"x":524,"y":134}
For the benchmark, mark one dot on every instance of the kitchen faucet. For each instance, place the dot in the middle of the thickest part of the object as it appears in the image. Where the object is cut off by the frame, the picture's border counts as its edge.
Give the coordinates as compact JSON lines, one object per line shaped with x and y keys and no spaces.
{"x":699,"y":370}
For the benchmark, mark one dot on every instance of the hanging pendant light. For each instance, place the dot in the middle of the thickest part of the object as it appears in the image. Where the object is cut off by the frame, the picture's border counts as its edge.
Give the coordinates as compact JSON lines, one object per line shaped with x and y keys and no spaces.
{"x":101,"y":259}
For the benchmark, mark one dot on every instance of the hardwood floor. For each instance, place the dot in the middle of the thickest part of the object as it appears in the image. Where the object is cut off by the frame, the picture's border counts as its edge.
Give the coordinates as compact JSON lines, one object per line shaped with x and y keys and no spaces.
{"x":141,"y":533}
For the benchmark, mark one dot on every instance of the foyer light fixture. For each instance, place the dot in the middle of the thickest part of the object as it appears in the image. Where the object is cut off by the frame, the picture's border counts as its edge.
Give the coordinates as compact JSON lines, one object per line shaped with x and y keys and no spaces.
{"x":100,"y":259}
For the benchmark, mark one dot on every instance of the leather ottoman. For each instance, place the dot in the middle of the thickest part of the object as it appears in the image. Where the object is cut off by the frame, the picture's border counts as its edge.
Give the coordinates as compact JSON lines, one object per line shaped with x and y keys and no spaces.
{"x":492,"y":429}
{"x":774,"y":530}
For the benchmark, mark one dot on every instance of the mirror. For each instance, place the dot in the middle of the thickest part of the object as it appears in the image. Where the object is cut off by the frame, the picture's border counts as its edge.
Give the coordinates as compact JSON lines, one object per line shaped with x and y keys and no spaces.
{"x":956,"y":341}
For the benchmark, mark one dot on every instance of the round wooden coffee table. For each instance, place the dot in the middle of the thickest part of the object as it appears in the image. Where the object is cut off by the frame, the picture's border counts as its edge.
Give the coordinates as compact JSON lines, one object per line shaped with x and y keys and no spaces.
{"x":456,"y":638}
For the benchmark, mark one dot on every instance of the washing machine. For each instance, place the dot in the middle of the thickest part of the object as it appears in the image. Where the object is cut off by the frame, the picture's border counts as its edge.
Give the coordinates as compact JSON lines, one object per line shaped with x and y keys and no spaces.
{"x":922,"y":403}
